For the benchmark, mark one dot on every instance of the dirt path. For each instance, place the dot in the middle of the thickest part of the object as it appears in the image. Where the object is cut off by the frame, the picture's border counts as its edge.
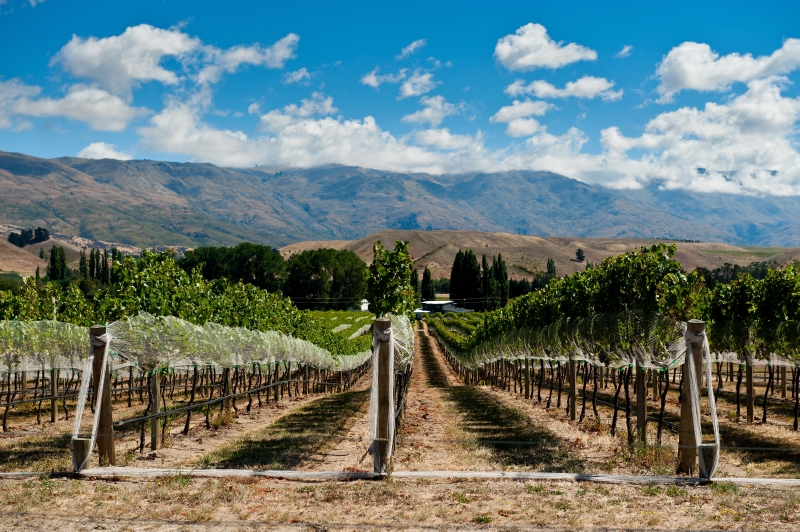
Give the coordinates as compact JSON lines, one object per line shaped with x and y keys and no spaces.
{"x":432,"y":436}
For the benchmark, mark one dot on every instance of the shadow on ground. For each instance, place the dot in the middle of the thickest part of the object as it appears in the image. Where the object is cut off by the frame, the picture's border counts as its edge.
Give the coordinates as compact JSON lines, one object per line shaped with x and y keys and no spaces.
{"x":510,"y":435}
{"x":37,"y":453}
{"x":294,"y":438}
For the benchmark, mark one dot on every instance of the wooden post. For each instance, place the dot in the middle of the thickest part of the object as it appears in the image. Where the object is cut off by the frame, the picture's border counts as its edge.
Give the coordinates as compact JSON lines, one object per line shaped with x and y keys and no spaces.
{"x":155,"y":407}
{"x":53,"y":394}
{"x":687,"y":446}
{"x":527,"y":379}
{"x":641,"y":403}
{"x":105,"y":428}
{"x":749,"y":400}
{"x":24,"y":384}
{"x":381,"y":444}
{"x":573,"y":390}
{"x":783,"y":382}
{"x":226,"y":376}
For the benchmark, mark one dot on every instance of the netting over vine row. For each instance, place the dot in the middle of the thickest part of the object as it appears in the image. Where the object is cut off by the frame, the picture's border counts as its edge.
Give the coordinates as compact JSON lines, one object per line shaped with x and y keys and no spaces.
{"x":147,"y":342}
{"x":616,"y":340}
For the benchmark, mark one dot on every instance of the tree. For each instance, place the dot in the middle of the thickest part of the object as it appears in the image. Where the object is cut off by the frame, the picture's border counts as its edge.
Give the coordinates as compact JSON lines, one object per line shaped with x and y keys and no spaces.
{"x":325,"y":279}
{"x":415,"y":286}
{"x":456,"y":276}
{"x":40,"y":235}
{"x":92,"y":264}
{"x":580,"y":255}
{"x":389,"y":283}
{"x":106,"y":272}
{"x":57,"y":269}
{"x":29,"y":236}
{"x":501,"y":276}
{"x":551,"y":267}
{"x":254,"y":264}
{"x":428,"y":286}
{"x":84,"y":266}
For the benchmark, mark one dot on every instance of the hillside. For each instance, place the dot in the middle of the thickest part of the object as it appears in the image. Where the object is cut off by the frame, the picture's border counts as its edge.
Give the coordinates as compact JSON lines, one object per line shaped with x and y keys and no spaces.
{"x":149,"y":203}
{"x":14,"y":259}
{"x":526,"y":255}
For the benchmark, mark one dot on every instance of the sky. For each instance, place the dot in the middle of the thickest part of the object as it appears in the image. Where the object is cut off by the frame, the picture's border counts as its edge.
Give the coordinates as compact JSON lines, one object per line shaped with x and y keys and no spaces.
{"x":697,"y":96}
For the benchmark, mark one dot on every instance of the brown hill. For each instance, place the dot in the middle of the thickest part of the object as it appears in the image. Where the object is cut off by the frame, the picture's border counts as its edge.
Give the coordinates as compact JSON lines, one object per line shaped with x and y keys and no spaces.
{"x":525,"y":255}
{"x":23,"y":262}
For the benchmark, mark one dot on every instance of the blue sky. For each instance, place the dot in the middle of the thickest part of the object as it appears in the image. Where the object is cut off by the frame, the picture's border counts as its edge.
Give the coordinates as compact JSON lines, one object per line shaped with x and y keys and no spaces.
{"x":693,"y":95}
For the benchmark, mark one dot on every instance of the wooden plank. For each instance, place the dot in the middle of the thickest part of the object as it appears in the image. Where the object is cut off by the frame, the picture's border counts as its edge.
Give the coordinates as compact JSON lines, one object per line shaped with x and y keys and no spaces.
{"x":143,"y":472}
{"x":641,"y":403}
{"x":750,"y":397}
{"x":573,"y":390}
{"x":155,"y":427}
{"x":687,"y":451}
{"x":380,"y":447}
{"x":105,"y":428}
{"x":53,"y":394}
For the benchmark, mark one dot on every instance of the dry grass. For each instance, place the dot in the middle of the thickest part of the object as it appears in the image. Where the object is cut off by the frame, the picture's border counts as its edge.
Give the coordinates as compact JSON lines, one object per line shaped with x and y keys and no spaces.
{"x":172,"y":503}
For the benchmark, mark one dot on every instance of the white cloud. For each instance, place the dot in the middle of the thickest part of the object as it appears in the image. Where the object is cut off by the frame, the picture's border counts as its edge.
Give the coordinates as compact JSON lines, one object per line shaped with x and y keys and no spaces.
{"x":530,"y":48}
{"x":417,"y":84}
{"x":585,"y":87}
{"x":519,"y":109}
{"x":96,"y":107}
{"x":436,"y":109}
{"x":228,"y":61}
{"x":121,"y":62}
{"x":744,"y":145}
{"x":373,"y":79}
{"x":625,"y":52}
{"x":35,"y":3}
{"x":298,"y":76}
{"x":11,"y":92}
{"x":411,"y":48}
{"x":695,"y":66}
{"x":442,"y":139}
{"x":254,"y":108}
{"x":102,"y":150}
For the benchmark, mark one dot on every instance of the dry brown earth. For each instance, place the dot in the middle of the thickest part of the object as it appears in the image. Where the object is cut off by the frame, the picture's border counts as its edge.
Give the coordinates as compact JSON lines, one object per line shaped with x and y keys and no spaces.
{"x":527,"y":254}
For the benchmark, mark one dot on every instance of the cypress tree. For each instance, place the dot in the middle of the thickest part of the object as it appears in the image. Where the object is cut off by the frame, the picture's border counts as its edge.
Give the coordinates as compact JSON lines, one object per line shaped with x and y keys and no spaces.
{"x":501,"y":276}
{"x":84,"y":266}
{"x":52,"y":267}
{"x":62,"y":264}
{"x":105,"y":272}
{"x":92,"y":265}
{"x":472,"y":281}
{"x":456,"y":277}
{"x":428,"y":287}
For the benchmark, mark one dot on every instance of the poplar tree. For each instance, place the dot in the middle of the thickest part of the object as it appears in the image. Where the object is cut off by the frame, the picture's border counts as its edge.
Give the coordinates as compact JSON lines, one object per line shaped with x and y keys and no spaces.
{"x":84,"y":266}
{"x":428,"y":286}
{"x":92,"y":265}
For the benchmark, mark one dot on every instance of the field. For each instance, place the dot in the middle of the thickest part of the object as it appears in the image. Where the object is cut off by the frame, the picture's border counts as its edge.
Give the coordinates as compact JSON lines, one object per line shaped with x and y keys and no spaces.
{"x":448,"y":426}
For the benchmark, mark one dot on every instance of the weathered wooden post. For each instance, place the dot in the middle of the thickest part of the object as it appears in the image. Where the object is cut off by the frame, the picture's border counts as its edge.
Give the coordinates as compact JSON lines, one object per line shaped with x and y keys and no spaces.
{"x":53,"y":394}
{"x":227,"y":403}
{"x":155,"y":407}
{"x":641,"y":403}
{"x":783,"y":382}
{"x":573,"y":390}
{"x":382,"y":436}
{"x":687,"y":446}
{"x":750,"y":398}
{"x":24,"y":384}
{"x":527,"y":379}
{"x":105,"y":428}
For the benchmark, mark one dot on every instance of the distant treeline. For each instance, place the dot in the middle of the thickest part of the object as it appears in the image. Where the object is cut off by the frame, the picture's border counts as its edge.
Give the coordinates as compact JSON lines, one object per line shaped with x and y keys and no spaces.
{"x":730,"y":272}
{"x":29,"y":236}
{"x":314,"y":279}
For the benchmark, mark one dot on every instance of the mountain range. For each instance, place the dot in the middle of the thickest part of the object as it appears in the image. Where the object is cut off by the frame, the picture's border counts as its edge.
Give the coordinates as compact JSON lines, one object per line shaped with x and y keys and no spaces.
{"x":146,"y":203}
